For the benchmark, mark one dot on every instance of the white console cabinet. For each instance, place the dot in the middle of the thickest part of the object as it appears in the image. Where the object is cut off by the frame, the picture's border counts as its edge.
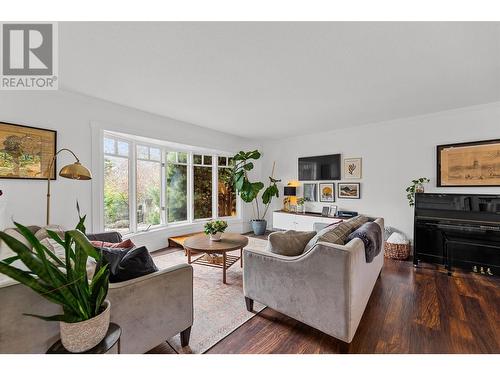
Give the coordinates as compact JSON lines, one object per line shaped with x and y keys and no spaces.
{"x":303,"y":222}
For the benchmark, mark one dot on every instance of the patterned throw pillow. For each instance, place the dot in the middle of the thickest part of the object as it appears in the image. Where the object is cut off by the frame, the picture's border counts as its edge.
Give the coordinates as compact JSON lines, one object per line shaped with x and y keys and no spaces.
{"x":356,"y":222}
{"x":49,"y":243}
{"x":336,"y":234}
{"x":127,"y":244}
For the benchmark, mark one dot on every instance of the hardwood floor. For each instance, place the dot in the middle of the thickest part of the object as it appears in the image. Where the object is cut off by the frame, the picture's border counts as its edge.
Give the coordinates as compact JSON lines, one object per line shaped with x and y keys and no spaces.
{"x":410,"y":311}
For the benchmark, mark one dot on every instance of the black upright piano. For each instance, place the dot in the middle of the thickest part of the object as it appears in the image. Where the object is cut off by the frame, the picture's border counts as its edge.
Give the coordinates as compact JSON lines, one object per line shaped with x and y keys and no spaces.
{"x":458,"y":230}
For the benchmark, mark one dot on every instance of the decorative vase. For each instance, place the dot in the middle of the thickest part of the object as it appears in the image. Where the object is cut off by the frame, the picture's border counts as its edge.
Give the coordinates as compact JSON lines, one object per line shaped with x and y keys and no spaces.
{"x":419,"y":188}
{"x":259,"y":227}
{"x":82,"y":336}
{"x":216,"y":236}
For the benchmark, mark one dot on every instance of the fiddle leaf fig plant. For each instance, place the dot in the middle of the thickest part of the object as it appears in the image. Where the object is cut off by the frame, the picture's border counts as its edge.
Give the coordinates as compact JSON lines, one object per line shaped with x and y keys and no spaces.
{"x":249,"y":191}
{"x":413,"y":188}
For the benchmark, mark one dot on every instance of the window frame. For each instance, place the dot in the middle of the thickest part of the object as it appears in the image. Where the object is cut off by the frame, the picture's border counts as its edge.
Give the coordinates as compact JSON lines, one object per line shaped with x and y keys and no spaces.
{"x":130,"y":188}
{"x":164,"y":180}
{"x":162,"y":193}
{"x":190,"y":151}
{"x":217,"y":166}
{"x":203,"y":165}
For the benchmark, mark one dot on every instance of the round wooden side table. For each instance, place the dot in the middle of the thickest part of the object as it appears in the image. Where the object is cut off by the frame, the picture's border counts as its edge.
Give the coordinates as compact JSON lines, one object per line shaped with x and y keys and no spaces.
{"x":108,"y":342}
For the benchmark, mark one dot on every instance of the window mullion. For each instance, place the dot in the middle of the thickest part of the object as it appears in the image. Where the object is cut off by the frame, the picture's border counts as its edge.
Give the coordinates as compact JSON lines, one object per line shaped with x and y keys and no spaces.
{"x":190,"y":188}
{"x":163,"y":187}
{"x":215,"y":187}
{"x":133,"y":188}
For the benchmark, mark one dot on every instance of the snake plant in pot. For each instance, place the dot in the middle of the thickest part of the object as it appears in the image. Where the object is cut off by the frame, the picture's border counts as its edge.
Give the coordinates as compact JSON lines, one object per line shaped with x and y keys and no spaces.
{"x":249,"y":191}
{"x":84,"y":318}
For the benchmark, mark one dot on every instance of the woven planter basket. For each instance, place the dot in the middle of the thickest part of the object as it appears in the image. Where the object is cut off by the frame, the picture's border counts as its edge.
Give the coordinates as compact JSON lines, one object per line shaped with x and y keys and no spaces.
{"x":396,"y":251}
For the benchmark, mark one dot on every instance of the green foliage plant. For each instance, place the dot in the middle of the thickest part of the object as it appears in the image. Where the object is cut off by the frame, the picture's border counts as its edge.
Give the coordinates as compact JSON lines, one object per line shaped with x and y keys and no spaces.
{"x":412,"y":189}
{"x":62,"y":282}
{"x":249,"y":191}
{"x":215,"y":226}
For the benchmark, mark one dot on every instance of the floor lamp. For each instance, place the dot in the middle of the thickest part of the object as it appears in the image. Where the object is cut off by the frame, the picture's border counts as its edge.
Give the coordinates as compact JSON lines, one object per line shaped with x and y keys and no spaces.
{"x":75,"y":171}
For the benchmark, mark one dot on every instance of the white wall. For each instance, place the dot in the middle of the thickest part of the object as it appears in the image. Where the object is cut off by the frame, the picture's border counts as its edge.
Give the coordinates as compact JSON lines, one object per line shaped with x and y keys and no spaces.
{"x":393,"y":154}
{"x":71,"y":114}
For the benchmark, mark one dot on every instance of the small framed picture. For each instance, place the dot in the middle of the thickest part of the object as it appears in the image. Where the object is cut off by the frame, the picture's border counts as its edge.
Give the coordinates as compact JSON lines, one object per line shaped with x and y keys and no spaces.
{"x":327,"y":192}
{"x":352,"y":168}
{"x":325,"y":211}
{"x":349,"y":190}
{"x":333,"y":210}
{"x":310,"y":192}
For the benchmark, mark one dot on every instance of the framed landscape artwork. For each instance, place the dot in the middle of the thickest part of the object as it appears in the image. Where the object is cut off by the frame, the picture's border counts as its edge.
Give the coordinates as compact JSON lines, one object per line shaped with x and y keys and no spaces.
{"x":469,"y":164}
{"x":327,"y":192}
{"x":310,"y":192}
{"x":352,"y":168}
{"x":349,"y":190}
{"x":26,"y":152}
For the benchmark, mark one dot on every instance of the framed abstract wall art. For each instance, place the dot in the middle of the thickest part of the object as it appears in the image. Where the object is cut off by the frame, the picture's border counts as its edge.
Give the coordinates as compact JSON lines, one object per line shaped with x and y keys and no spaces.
{"x":469,"y":164}
{"x":26,"y":152}
{"x":349,"y":190}
{"x":352,"y":168}
{"x":327,"y":192}
{"x":310,"y":192}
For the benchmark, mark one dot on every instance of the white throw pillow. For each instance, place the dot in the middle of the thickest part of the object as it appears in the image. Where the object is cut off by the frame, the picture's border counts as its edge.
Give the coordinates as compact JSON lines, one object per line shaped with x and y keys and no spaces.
{"x":5,"y":251}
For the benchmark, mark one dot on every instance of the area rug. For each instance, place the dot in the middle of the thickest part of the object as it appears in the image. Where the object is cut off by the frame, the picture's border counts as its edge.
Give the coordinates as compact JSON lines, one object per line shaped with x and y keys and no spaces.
{"x":219,"y":308}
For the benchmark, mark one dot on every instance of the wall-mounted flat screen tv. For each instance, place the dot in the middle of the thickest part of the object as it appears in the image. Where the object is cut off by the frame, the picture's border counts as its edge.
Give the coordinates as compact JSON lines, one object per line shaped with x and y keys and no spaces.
{"x":314,"y":168}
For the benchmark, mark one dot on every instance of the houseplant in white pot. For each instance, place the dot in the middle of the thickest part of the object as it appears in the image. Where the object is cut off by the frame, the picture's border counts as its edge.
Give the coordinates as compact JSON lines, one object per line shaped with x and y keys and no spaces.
{"x":249,"y":191}
{"x":214,"y":229}
{"x":84,"y":319}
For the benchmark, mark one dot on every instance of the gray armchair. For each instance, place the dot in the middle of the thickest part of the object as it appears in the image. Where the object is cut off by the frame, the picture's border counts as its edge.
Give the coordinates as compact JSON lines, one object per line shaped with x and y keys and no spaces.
{"x":327,"y":287}
{"x":150,"y":309}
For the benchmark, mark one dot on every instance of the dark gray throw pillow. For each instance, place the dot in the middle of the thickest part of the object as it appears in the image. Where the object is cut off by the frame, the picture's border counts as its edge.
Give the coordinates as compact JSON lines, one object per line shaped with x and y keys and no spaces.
{"x":127,"y":264}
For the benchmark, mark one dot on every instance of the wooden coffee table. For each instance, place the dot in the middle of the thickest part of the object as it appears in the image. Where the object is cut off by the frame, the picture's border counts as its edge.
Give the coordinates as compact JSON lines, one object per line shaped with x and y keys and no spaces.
{"x":211,"y":250}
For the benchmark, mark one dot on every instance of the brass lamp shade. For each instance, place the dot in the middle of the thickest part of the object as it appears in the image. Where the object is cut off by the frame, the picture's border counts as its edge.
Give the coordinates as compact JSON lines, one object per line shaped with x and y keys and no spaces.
{"x":75,"y":171}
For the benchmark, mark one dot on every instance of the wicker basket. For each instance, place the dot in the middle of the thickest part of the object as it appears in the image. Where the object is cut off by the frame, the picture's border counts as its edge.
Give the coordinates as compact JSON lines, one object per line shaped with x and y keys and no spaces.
{"x":397,"y":251}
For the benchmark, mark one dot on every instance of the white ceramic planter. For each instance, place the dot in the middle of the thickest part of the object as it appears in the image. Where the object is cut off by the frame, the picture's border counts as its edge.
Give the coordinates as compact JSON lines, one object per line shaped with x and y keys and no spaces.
{"x":82,"y":336}
{"x":216,"y":236}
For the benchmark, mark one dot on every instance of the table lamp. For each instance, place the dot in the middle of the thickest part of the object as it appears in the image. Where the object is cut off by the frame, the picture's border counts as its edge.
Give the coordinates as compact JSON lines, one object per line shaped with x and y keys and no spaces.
{"x":290,"y":193}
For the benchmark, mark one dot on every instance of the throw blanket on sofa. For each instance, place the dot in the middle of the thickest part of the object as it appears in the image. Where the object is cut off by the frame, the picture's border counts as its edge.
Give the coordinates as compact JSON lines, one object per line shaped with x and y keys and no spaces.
{"x":371,"y":235}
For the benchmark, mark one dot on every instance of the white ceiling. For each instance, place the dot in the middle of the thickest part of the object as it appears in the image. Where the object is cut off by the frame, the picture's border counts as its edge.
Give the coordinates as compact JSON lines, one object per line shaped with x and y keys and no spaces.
{"x":276,"y":79}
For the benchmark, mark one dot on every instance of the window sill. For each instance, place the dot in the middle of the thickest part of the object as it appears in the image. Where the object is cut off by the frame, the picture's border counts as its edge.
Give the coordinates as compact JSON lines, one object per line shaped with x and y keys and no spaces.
{"x":188,"y":226}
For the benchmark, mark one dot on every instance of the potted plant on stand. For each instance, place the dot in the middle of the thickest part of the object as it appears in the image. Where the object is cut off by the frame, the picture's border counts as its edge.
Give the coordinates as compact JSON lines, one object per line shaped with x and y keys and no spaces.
{"x":215,"y":228}
{"x":84,"y":319}
{"x":301,"y":205}
{"x":417,"y":186}
{"x":249,"y":191}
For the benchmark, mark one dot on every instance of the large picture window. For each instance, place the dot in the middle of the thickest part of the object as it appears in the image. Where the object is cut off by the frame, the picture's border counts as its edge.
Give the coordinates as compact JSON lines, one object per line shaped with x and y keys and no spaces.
{"x":147,"y":185}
